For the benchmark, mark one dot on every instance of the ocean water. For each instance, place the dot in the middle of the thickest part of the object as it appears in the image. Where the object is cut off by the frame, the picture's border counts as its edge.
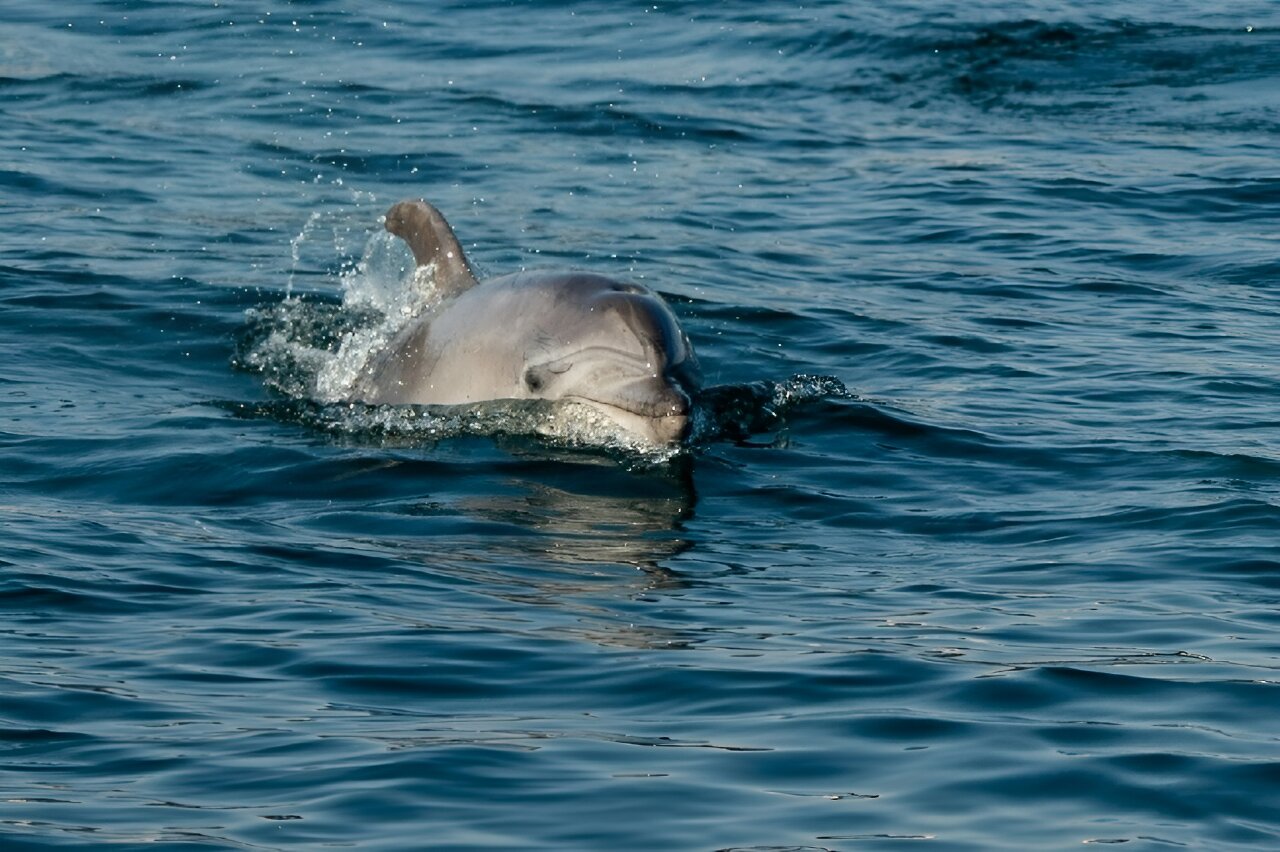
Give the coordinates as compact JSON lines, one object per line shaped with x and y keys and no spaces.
{"x":1017,"y":588}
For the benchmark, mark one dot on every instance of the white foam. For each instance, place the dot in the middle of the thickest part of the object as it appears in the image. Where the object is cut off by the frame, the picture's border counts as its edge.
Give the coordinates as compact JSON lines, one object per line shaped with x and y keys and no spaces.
{"x":385,"y":281}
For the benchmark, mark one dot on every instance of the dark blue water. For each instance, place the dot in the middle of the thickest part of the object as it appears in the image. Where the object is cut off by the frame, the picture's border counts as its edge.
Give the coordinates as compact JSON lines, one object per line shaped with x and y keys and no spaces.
{"x":1020,"y":589}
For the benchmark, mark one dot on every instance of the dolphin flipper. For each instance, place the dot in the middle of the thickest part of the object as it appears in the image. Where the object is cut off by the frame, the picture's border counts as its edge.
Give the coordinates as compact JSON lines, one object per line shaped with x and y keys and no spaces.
{"x":432,"y":241}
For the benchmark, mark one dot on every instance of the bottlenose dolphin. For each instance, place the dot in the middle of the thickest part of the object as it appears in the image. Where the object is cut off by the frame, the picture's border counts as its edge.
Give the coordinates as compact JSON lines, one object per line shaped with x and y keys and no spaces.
{"x":614,"y":346}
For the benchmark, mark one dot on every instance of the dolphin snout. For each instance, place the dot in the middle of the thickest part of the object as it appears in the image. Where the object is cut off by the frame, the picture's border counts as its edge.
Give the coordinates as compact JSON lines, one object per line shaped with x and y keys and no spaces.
{"x":670,"y":430}
{"x":650,"y":396}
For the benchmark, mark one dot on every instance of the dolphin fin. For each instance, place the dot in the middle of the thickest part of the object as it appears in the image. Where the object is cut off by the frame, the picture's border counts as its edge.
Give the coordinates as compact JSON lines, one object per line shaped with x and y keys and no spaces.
{"x":431,"y":240}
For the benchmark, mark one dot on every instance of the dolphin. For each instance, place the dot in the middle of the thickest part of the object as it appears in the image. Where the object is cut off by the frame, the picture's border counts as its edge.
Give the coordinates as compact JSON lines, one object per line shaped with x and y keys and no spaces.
{"x":612,"y":345}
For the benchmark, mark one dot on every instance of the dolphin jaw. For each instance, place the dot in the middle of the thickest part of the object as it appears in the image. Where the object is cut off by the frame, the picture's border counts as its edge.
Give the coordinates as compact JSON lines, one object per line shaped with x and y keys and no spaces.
{"x":661,"y":430}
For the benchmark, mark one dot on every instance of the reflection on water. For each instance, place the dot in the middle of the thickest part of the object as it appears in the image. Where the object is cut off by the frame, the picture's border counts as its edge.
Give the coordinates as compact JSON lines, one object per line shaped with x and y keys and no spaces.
{"x":596,"y":548}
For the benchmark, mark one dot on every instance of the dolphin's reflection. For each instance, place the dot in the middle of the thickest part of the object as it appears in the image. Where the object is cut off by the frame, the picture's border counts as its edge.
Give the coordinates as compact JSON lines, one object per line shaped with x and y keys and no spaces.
{"x":595,"y":543}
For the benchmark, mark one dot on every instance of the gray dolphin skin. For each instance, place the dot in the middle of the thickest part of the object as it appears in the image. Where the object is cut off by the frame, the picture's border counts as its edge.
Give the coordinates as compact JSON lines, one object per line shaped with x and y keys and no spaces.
{"x":612,"y":345}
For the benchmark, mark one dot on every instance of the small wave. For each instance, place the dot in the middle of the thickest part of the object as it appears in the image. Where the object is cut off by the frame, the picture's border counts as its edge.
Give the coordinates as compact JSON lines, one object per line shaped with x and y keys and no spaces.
{"x":612,"y":121}
{"x":556,"y":424}
{"x":1154,"y":71}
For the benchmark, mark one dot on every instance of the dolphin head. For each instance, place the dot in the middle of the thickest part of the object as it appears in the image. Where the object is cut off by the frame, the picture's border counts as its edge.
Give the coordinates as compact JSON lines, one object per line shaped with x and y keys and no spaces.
{"x":618,"y":348}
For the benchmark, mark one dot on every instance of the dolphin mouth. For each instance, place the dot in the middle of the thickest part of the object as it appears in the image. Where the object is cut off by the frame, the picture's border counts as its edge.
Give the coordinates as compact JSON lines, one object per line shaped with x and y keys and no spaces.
{"x":656,"y":428}
{"x":651,"y":396}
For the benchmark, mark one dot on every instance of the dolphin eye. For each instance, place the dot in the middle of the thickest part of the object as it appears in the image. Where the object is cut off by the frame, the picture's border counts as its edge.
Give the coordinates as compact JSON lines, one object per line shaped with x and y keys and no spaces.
{"x":532,"y":380}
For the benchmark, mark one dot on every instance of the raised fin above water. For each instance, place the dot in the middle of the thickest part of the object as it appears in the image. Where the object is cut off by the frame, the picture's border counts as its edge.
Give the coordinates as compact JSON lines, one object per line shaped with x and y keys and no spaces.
{"x":432,"y":241}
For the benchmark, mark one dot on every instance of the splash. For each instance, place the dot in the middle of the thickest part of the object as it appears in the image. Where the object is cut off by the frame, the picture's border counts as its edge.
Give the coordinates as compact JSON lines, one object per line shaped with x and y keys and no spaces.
{"x":307,"y":347}
{"x":295,"y":250}
{"x":736,"y":412}
{"x":554,"y":424}
{"x":386,"y":284}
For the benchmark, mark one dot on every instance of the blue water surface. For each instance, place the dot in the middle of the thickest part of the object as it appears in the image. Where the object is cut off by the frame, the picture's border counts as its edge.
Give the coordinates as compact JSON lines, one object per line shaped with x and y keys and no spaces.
{"x":1019,"y":589}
